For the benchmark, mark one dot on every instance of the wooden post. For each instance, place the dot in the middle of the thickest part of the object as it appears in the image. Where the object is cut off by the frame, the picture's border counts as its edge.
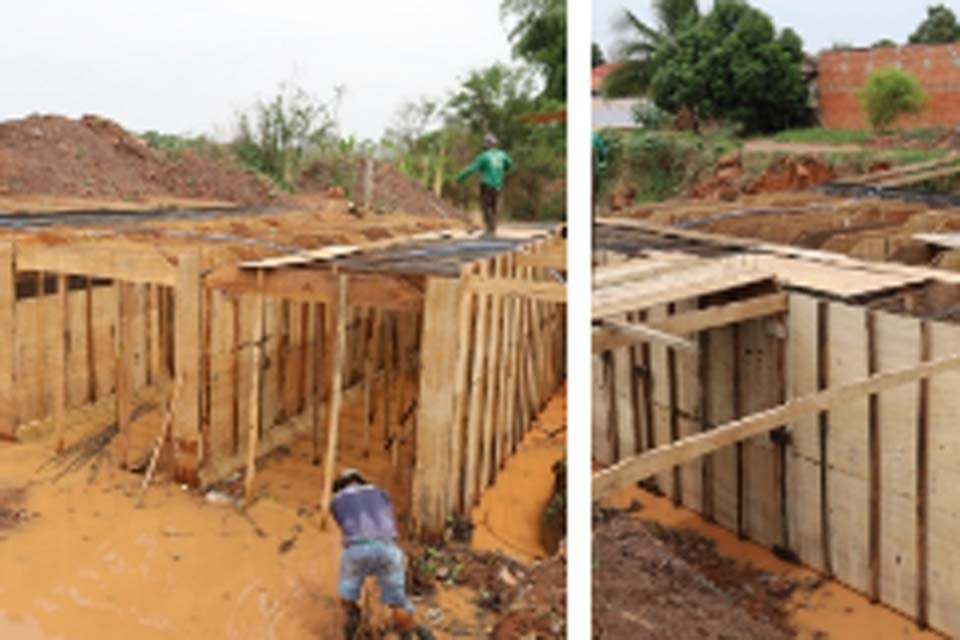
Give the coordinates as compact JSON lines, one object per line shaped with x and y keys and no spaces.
{"x":8,"y":351}
{"x":823,"y":430}
{"x":389,"y":356}
{"x":60,"y":359}
{"x":369,"y":376}
{"x":336,"y":397}
{"x":233,"y":367}
{"x":91,"y":342}
{"x":124,"y":367}
{"x":923,"y":481}
{"x":320,"y":358}
{"x":256,"y":387}
{"x":874,"y":435}
{"x":40,"y":331}
{"x":436,"y":405}
{"x":455,"y":491}
{"x":478,"y":389}
{"x":186,"y":428}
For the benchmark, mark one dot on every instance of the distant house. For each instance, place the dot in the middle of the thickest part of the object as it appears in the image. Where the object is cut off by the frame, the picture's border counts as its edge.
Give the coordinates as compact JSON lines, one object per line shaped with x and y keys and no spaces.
{"x":611,"y":113}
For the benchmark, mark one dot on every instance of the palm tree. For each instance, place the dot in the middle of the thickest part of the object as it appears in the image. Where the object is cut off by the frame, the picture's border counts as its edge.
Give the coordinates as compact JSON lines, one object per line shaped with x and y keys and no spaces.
{"x":640,"y":41}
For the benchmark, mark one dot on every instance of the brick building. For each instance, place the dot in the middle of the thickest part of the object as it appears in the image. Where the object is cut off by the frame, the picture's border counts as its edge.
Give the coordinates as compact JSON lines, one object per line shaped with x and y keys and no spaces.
{"x":843,"y":73}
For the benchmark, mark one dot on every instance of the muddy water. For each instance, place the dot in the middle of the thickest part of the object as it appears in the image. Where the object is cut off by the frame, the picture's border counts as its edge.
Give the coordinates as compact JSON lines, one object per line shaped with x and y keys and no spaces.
{"x":831,"y":609}
{"x":509,"y":518}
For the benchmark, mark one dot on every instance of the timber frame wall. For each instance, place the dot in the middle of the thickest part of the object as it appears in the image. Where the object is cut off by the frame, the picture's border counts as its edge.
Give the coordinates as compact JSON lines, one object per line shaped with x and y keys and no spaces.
{"x":452,"y":368}
{"x":865,"y":491}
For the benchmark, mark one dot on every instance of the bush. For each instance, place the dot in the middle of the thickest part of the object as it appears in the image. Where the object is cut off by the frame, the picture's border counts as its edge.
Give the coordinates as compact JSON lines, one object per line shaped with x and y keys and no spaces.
{"x":889,"y":94}
{"x":650,"y":116}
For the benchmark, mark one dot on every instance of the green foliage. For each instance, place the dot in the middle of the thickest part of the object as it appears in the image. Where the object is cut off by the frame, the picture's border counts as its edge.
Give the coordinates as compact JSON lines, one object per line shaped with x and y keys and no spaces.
{"x":539,"y":37}
{"x":172,"y":144}
{"x":883,"y":42}
{"x":597,"y":59}
{"x":274,"y":137}
{"x":640,"y":41}
{"x":733,"y":66}
{"x":661,"y":165}
{"x":890,"y":93}
{"x":939,"y":27}
{"x":650,"y":116}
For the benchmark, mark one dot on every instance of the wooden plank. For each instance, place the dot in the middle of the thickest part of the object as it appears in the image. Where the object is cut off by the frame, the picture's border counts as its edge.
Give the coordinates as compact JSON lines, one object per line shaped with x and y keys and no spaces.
{"x":460,"y":399}
{"x":553,"y":259}
{"x":614,"y":334}
{"x":59,"y":360}
{"x":659,"y":376}
{"x":623,"y":403}
{"x":492,"y":385}
{"x":255,"y":410}
{"x":943,"y":510}
{"x":922,"y":482}
{"x":665,"y":290}
{"x":517,"y":287}
{"x":8,"y":342}
{"x":722,"y":410}
{"x":186,"y":426}
{"x":320,"y":285}
{"x":664,"y":457}
{"x":124,"y":367}
{"x":369,"y":376}
{"x":435,"y":407}
{"x":336,"y":396}
{"x":642,"y":269}
{"x":898,"y":345}
{"x":604,"y":445}
{"x":874,"y":436}
{"x":142,"y":264}
{"x":478,"y":392}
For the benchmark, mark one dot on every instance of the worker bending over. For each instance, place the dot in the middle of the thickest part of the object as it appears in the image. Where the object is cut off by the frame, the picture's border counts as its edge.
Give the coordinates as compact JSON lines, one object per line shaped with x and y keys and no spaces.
{"x":492,"y":163}
{"x":366,"y":520}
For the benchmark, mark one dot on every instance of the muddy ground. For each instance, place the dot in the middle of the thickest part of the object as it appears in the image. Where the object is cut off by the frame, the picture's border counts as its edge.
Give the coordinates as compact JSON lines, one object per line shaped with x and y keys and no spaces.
{"x":79,"y":560}
{"x":663,"y":572}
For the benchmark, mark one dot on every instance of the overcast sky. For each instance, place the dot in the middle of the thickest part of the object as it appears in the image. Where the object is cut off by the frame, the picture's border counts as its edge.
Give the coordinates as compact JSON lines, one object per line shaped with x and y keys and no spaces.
{"x":821,"y":23}
{"x":186,"y":66}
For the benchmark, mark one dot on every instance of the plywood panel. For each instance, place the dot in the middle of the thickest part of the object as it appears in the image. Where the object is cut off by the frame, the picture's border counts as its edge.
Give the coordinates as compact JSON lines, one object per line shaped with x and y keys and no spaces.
{"x":943,"y":531}
{"x":803,"y":457}
{"x":688,"y":405}
{"x":898,"y":346}
{"x":721,"y":411}
{"x":847,"y":450}
{"x":660,"y":393}
{"x":604,"y":449}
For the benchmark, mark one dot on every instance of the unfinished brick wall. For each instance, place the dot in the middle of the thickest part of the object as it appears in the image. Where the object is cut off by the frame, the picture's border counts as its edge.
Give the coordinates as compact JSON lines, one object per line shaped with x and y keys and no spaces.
{"x":843,"y":73}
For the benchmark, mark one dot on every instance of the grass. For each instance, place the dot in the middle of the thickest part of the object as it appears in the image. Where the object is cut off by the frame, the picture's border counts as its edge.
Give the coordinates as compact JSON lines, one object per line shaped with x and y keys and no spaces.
{"x":819,"y":135}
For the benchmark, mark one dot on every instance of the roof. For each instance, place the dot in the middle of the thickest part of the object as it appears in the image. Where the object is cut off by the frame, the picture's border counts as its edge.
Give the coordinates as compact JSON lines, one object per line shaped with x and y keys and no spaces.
{"x":599,"y":74}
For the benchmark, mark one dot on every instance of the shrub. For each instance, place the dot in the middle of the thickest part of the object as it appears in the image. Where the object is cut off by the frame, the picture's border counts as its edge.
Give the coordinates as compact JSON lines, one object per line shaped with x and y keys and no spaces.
{"x":889,"y":94}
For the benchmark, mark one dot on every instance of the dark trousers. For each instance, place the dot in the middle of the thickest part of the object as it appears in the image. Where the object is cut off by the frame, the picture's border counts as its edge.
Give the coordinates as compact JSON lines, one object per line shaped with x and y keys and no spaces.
{"x":488,"y":203}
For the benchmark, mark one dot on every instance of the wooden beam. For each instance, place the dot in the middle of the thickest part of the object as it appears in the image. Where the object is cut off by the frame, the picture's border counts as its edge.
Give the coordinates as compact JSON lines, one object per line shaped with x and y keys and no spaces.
{"x":457,"y":428}
{"x":478,"y":389}
{"x":142,"y":264}
{"x":8,"y":342}
{"x":186,"y":427}
{"x":336,"y":398}
{"x":663,"y":458}
{"x":612,"y":334}
{"x":320,"y":285}
{"x":552,"y":259}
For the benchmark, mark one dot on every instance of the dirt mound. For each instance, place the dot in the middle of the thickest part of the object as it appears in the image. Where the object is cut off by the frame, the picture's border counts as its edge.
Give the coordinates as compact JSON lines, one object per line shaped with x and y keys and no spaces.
{"x":96,"y":157}
{"x":787,"y":173}
{"x":393,"y":191}
{"x":652,"y":582}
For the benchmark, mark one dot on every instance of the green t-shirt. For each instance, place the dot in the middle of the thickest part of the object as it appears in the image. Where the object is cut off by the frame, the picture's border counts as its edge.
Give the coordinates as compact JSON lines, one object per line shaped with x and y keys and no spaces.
{"x":599,"y":153}
{"x":491,"y":164}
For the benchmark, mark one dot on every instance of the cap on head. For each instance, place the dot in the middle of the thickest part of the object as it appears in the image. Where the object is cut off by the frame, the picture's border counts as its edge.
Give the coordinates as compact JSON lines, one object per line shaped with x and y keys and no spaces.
{"x":489,"y":140}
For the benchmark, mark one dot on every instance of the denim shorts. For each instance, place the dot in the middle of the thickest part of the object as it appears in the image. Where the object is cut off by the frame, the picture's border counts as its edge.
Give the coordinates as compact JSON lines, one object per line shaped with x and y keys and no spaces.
{"x":382,"y":560}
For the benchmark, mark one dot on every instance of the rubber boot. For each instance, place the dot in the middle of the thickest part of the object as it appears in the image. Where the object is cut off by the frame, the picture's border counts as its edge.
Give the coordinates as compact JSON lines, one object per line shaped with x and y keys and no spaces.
{"x":352,"y":623}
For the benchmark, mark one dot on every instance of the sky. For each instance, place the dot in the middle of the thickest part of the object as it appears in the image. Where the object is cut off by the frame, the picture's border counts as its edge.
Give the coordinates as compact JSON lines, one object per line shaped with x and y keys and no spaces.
{"x":821,"y":23}
{"x":187,"y":66}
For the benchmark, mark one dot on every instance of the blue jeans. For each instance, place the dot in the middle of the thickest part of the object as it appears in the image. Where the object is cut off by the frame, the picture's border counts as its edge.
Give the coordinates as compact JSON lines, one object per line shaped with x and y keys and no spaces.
{"x":384,"y":561}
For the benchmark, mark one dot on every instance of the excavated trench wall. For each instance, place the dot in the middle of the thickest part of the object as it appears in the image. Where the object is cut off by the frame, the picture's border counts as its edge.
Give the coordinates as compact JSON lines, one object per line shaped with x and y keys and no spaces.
{"x":866,"y":492}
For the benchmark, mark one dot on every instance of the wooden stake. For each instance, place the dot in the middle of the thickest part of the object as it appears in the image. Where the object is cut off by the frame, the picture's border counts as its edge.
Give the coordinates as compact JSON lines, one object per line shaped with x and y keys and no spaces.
{"x":455,"y":491}
{"x":187,"y":451}
{"x":478,"y":389}
{"x":336,"y":397}
{"x":370,"y":375}
{"x":91,"y":343}
{"x":253,"y":428}
{"x":158,"y":444}
{"x":823,"y":418}
{"x":874,"y":435}
{"x":124,"y":367}
{"x":8,"y":341}
{"x":60,"y":359}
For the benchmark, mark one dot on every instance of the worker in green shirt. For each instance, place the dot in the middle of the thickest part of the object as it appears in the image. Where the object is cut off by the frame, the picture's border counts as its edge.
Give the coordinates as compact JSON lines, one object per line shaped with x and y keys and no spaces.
{"x":599,"y":164}
{"x":492,"y":163}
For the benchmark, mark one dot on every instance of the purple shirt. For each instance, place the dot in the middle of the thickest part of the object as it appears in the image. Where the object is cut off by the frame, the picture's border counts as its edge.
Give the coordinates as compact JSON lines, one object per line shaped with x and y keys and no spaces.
{"x":364,"y":512}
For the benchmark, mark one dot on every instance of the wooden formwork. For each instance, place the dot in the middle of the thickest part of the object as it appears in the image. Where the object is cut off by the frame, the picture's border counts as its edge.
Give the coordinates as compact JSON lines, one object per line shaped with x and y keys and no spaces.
{"x":493,"y":351}
{"x":255,"y":355}
{"x":809,"y":424}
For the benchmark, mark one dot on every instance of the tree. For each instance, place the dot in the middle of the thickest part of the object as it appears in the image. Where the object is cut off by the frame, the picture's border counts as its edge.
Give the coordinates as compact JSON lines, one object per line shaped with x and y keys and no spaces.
{"x":883,"y":42}
{"x":273,"y":137}
{"x":939,"y":27}
{"x":539,"y":37}
{"x":640,"y":41}
{"x":732,"y":65}
{"x":597,"y":59}
{"x":890,"y":93}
